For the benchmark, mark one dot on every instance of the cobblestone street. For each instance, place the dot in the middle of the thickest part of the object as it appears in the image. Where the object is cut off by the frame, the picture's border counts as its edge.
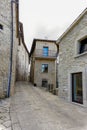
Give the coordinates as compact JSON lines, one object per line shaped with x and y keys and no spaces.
{"x":32,"y":108}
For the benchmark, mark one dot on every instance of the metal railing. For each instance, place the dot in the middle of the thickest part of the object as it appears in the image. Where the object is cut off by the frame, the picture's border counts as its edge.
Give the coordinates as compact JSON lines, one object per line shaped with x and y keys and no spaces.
{"x":41,"y":53}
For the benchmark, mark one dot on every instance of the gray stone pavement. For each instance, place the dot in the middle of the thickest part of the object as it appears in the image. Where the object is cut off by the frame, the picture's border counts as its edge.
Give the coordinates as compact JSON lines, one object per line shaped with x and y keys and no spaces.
{"x":32,"y":108}
{"x":5,"y":119}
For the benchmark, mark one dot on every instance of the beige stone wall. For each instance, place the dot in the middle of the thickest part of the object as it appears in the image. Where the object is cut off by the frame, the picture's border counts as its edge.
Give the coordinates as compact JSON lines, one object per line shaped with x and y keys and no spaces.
{"x":69,"y":61}
{"x":36,"y":75}
{"x":39,"y":75}
{"x":5,"y":41}
{"x":26,"y":66}
{"x":51,"y":45}
{"x":22,"y":63}
{"x":15,"y":47}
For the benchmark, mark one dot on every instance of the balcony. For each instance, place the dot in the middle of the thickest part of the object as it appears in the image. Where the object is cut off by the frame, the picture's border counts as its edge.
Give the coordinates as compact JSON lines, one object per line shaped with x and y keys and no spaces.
{"x":45,"y":54}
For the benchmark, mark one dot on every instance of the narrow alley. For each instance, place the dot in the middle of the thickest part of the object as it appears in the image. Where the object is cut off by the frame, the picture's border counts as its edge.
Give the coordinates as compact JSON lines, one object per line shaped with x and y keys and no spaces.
{"x":33,"y":108}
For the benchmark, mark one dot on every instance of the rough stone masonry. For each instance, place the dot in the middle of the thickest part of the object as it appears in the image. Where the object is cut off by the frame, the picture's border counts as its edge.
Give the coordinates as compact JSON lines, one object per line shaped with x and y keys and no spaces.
{"x":5,"y":44}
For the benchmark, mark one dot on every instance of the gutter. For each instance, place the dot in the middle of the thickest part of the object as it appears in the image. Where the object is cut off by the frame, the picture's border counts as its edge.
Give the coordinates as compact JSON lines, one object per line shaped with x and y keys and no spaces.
{"x":11,"y":51}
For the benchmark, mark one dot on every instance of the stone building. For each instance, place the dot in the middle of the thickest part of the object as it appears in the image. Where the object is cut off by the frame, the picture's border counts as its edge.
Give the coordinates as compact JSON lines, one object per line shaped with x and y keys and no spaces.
{"x":22,"y":66}
{"x":43,"y":56}
{"x":72,"y":68}
{"x":9,"y":12}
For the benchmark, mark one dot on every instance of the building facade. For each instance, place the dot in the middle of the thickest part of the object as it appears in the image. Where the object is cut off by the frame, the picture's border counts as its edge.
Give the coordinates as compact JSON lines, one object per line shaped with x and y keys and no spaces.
{"x":22,"y":63}
{"x":72,"y":68}
{"x":8,"y":45}
{"x":43,"y":56}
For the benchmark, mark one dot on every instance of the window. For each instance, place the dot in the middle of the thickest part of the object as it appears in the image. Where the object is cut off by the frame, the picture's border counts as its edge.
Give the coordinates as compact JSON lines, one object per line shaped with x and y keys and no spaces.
{"x":83,"y":46}
{"x":1,"y":27}
{"x":77,"y":89}
{"x":45,"y":68}
{"x":44,"y":83}
{"x":45,"y":51}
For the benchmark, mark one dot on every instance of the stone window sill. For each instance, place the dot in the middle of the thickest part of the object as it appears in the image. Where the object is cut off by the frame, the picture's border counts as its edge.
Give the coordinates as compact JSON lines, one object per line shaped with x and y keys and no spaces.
{"x":79,"y":55}
{"x":0,"y":29}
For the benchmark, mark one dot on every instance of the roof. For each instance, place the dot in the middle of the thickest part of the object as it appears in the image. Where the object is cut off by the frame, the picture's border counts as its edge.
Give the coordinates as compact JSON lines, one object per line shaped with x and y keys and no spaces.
{"x":72,"y":25}
{"x":34,"y":44}
{"x":21,"y":32}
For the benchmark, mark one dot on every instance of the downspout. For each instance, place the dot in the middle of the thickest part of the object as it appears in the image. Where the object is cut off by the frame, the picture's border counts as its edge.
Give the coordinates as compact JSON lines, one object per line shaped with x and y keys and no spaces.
{"x":57,"y":65}
{"x":11,"y":53}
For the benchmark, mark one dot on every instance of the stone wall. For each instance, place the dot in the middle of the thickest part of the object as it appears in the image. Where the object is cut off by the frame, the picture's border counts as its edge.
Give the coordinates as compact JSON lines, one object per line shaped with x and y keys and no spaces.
{"x":51,"y":45}
{"x":4,"y":45}
{"x":22,"y":63}
{"x":69,"y":60}
{"x":39,"y":75}
{"x":37,"y":59}
{"x":5,"y":42}
{"x":22,"y":68}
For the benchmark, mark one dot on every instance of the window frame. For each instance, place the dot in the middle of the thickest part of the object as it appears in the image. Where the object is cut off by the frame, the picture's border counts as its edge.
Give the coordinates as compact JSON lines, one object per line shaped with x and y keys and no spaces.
{"x":44,"y":82}
{"x":43,"y":69}
{"x":45,"y":52}
{"x":77,"y":46}
{"x":83,"y":46}
{"x":77,"y":89}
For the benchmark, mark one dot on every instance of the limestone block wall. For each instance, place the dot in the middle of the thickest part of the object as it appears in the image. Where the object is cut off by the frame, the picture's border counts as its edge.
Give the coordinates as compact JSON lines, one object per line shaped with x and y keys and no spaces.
{"x":5,"y":41}
{"x":69,"y":60}
{"x":22,"y":63}
{"x":27,"y":66}
{"x":39,"y":75}
{"x":37,"y":59}
{"x":4,"y":45}
{"x":13,"y":79}
{"x":15,"y":47}
{"x":51,"y":45}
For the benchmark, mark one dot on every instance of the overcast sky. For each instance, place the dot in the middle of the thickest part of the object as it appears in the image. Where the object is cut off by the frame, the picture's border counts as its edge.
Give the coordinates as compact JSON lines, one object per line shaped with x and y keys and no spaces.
{"x":48,"y":18}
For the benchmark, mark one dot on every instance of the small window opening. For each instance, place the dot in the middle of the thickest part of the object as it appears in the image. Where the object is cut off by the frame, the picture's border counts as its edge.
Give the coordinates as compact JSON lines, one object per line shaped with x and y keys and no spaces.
{"x":44,"y":82}
{"x":1,"y":27}
{"x":45,"y":68}
{"x":83,"y":46}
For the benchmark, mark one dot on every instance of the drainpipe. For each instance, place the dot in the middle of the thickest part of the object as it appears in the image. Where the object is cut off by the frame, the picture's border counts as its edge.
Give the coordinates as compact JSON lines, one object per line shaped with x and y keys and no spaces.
{"x":11,"y":50}
{"x":57,"y":66}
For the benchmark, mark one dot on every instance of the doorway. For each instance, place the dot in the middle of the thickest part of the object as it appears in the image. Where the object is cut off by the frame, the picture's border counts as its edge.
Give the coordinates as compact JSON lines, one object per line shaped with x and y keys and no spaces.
{"x":77,"y":89}
{"x":44,"y":83}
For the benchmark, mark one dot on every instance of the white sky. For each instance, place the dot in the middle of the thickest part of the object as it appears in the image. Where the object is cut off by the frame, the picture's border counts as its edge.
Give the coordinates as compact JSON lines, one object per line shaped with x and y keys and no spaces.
{"x":48,"y":18}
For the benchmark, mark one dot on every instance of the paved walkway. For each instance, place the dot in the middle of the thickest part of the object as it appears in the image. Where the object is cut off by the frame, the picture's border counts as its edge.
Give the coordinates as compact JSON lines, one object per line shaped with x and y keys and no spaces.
{"x":32,"y":108}
{"x":5,"y":119}
{"x":35,"y":109}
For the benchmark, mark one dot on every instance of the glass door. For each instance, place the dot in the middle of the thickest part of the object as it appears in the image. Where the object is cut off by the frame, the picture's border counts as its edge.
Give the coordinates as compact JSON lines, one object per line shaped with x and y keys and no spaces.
{"x":77,"y":90}
{"x":45,"y":51}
